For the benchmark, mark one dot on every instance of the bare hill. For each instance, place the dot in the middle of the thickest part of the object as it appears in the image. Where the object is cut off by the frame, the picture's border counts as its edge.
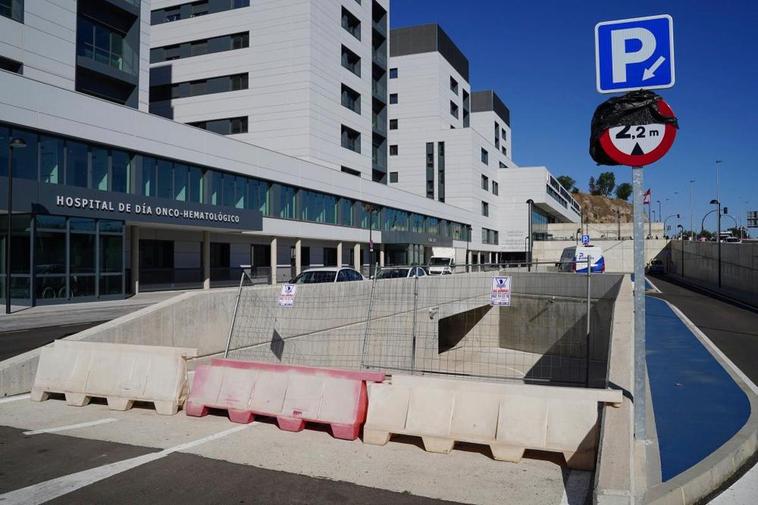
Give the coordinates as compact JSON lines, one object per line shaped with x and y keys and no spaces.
{"x":599,"y":209}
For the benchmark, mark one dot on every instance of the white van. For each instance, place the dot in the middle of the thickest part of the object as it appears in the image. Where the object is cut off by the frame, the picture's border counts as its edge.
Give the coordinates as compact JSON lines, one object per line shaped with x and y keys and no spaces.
{"x":574,"y":259}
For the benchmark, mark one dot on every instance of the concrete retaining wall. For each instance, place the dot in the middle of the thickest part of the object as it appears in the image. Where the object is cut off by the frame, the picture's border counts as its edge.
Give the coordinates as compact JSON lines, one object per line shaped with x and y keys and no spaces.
{"x":198,"y":319}
{"x":697,"y":263}
{"x":618,"y":254}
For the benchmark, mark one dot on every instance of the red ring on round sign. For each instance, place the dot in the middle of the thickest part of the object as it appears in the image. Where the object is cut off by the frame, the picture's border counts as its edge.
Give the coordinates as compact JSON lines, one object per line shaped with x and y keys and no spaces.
{"x":669,"y":135}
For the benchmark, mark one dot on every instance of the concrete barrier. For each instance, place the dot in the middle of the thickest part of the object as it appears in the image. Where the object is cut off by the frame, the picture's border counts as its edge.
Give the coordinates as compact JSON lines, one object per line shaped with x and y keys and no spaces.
{"x":293,"y":394}
{"x":508,"y":417}
{"x":122,"y":374}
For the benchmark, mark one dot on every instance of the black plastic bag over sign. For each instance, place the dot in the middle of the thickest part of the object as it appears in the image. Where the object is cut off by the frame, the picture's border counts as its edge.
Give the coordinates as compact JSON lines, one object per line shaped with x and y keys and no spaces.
{"x":634,"y":108}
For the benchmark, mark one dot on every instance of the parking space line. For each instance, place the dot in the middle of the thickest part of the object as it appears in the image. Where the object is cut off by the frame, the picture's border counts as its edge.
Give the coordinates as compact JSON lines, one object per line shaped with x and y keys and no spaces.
{"x":70,"y":427}
{"x":51,"y":489}
{"x":655,"y":288}
{"x":14,"y":398}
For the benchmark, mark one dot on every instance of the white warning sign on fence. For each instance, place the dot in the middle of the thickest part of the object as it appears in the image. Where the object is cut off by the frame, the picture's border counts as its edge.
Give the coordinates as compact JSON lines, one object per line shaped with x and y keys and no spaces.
{"x":287,"y":296}
{"x":501,"y":291}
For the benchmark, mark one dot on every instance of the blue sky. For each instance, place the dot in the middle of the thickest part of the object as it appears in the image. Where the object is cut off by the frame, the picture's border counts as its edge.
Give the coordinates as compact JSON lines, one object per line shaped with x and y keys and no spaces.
{"x":539,"y":58}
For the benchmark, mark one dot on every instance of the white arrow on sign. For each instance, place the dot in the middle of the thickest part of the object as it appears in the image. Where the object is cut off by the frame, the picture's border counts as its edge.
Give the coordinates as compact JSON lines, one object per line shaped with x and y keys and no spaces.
{"x":649,"y":73}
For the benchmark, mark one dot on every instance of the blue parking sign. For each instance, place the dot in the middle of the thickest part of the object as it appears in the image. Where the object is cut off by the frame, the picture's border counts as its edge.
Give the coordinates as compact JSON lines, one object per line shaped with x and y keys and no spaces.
{"x":585,"y":239}
{"x":633,"y":54}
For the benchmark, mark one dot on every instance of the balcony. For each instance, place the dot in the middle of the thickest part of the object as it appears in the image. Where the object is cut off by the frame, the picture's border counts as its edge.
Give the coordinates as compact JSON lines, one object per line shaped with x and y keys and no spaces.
{"x":379,"y":124}
{"x":380,"y":26}
{"x":379,"y":91}
{"x":380,"y":58}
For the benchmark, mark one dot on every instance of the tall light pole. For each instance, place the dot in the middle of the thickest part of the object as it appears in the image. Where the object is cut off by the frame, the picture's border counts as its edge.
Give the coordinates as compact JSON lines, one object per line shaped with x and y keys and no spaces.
{"x":666,"y":221}
{"x":692,"y":212}
{"x":718,"y":235}
{"x":371,"y":209}
{"x":14,"y":143}
{"x":660,"y":214}
{"x":717,"y":163}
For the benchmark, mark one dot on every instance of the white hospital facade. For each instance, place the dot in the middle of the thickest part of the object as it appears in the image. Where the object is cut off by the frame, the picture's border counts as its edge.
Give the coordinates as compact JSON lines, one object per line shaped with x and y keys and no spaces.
{"x":170,"y":142}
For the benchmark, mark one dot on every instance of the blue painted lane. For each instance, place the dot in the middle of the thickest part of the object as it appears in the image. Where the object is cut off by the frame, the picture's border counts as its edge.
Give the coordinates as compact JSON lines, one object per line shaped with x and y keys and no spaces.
{"x":698,"y":407}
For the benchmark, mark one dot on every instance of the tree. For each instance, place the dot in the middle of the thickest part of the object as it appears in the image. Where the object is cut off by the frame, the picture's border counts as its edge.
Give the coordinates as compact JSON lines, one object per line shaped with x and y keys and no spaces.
{"x":605,"y":183}
{"x":624,"y":191}
{"x":567,"y":182}
{"x":593,"y":187}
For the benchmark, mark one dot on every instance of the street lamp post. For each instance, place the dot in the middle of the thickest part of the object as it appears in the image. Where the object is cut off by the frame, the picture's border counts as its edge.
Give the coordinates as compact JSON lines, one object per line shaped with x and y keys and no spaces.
{"x":681,"y":244}
{"x":666,"y":221}
{"x":15,"y":143}
{"x":660,"y":212}
{"x":371,"y":209}
{"x":717,"y":163}
{"x":530,"y":203}
{"x":718,"y":235}
{"x":618,"y":223}
{"x":692,"y":212}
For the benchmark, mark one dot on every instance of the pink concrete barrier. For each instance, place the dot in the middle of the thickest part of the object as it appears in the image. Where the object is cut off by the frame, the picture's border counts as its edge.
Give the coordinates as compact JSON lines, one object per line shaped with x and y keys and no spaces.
{"x":292,"y":394}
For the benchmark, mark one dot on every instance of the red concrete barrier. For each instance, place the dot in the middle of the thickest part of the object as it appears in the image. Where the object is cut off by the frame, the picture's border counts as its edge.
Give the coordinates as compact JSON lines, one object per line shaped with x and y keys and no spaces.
{"x":291,"y":393}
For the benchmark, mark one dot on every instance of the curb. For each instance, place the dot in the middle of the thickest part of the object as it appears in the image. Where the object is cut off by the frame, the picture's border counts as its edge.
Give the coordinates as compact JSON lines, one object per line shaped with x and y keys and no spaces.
{"x":707,"y":476}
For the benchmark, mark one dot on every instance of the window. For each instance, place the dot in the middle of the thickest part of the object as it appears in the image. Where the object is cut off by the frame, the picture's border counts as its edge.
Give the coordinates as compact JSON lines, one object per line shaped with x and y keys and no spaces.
{"x":485,"y":156}
{"x":485,"y":183}
{"x":103,"y":44}
{"x":8,"y":64}
{"x":351,"y":99}
{"x":194,"y":9}
{"x":200,"y":47}
{"x":495,"y":188}
{"x":393,"y":98}
{"x":223,"y":126}
{"x":393,"y":73}
{"x":497,"y":135}
{"x":441,"y":171}
{"x":13,"y":9}
{"x":393,"y":150}
{"x":351,"y":139}
{"x":453,"y":85}
{"x":393,"y":176}
{"x":350,"y":171}
{"x":430,"y":170}
{"x":393,"y":124}
{"x":503,"y":134}
{"x":51,"y":159}
{"x":454,"y":109}
{"x":351,"y":23}
{"x":351,"y":61}
{"x":502,"y":165}
{"x":505,"y":151}
{"x":199,"y":87}
{"x":485,"y":209}
{"x":76,"y":164}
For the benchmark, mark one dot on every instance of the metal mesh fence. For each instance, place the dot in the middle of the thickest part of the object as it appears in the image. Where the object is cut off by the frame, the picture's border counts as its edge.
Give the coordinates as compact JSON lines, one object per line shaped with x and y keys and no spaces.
{"x":443,"y":324}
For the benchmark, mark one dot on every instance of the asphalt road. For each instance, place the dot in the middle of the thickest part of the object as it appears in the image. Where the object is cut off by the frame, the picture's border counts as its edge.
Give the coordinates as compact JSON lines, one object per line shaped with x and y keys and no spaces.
{"x":731,"y":328}
{"x":17,"y":342}
{"x":177,"y":478}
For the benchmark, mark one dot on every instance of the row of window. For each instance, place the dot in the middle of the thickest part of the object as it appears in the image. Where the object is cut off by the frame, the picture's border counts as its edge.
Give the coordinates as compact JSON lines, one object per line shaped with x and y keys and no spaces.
{"x":199,"y":87}
{"x":194,"y":9}
{"x":52,"y":159}
{"x":489,"y":236}
{"x":351,"y":23}
{"x":13,"y":9}
{"x":200,"y":47}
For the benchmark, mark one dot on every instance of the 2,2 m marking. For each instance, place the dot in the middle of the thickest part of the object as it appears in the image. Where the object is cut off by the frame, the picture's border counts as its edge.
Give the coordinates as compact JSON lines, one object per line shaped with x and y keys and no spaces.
{"x":640,"y":133}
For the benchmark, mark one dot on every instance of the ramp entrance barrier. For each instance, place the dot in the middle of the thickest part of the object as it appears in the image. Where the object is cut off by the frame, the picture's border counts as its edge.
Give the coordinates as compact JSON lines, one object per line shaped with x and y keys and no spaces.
{"x":120,"y":373}
{"x":292,"y":394}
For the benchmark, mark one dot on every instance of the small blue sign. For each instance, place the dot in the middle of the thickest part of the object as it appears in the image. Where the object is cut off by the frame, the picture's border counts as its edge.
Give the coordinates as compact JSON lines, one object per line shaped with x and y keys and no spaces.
{"x":585,"y":239}
{"x":634,"y":54}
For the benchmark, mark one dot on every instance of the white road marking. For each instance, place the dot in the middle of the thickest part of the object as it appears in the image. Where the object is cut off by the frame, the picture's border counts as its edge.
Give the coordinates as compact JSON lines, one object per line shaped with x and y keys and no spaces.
{"x":70,"y":427}
{"x":51,"y":489}
{"x":14,"y":398}
{"x":655,"y":288}
{"x":577,"y":486}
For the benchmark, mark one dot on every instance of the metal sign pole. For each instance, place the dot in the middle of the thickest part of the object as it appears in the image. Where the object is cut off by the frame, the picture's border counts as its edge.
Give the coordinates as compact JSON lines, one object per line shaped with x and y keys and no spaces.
{"x":640,"y":370}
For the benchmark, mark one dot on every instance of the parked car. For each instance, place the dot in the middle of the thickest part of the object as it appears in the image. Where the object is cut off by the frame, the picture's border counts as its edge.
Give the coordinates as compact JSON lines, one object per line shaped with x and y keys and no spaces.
{"x":401,"y":273}
{"x":574,"y":259}
{"x":327,"y":274}
{"x":656,"y":267}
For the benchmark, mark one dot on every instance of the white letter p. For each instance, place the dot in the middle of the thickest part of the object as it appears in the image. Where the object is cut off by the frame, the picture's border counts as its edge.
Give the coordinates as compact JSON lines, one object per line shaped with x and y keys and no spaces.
{"x":619,"y":55}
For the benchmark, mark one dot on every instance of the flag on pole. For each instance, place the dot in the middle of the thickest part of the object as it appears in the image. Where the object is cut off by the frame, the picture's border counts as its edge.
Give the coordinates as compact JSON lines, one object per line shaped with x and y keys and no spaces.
{"x":646,"y":198}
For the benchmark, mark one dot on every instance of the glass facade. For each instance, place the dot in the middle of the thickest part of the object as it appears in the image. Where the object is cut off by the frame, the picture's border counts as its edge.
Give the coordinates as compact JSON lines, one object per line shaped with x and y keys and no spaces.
{"x":106,"y":45}
{"x":53,"y":159}
{"x":58,"y":258}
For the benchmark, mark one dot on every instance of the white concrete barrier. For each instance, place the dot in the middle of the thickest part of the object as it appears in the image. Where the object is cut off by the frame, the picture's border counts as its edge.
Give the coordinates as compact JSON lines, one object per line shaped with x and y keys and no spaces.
{"x":508,"y":417}
{"x":120,"y":373}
